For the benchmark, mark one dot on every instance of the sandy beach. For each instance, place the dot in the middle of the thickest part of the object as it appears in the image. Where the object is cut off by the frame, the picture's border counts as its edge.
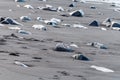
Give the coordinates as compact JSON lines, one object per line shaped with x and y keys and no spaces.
{"x":33,"y":56}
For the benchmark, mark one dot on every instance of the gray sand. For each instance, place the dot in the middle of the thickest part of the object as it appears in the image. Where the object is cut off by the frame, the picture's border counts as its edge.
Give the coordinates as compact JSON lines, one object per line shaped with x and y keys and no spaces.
{"x":54,"y":65}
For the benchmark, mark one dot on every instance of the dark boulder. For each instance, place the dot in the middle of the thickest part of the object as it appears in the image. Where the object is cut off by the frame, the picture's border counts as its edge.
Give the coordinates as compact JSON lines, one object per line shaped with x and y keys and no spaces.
{"x":78,"y":13}
{"x":94,"y":23}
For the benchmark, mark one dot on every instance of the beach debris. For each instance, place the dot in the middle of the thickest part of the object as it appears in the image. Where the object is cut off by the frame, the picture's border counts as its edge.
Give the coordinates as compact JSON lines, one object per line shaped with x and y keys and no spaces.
{"x":94,"y":23}
{"x":103,"y":69}
{"x":107,"y":22}
{"x":14,"y":28}
{"x":79,"y":26}
{"x":97,"y":45}
{"x":63,"y":47}
{"x":77,"y":13}
{"x":20,"y":64}
{"x":19,"y":0}
{"x":28,"y":6}
{"x":24,"y":32}
{"x":39,"y":27}
{"x":104,"y":29}
{"x":25,"y":18}
{"x":8,"y":20}
{"x":80,"y":57}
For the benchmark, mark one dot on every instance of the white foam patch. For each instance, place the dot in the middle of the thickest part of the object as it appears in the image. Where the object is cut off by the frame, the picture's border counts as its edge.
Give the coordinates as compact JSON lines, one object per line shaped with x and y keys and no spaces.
{"x":103,"y":69}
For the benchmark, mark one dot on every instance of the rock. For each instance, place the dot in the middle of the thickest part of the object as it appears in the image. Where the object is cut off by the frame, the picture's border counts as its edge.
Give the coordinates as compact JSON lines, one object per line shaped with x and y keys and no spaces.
{"x":79,"y":26}
{"x":11,"y":36}
{"x":72,"y":5}
{"x":14,"y":28}
{"x":29,"y":7}
{"x":107,"y":22}
{"x":59,"y":9}
{"x":77,"y":13}
{"x":97,"y":45}
{"x":39,"y":27}
{"x":75,"y":0}
{"x":7,"y":20}
{"x":93,"y":7}
{"x":63,"y":48}
{"x":54,"y":22}
{"x":115,"y":24}
{"x":94,"y":23}
{"x":25,"y":18}
{"x":19,"y":0}
{"x":48,"y":22}
{"x":80,"y":57}
{"x":24,"y":32}
{"x":14,"y":54}
{"x":37,"y":58}
{"x":74,"y":45}
{"x":48,"y":8}
{"x":39,"y":19}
